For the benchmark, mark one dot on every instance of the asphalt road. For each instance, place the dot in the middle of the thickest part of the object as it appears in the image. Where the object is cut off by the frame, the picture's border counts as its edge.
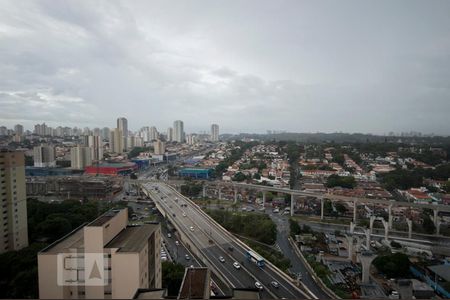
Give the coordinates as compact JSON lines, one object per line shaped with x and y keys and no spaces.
{"x":297,"y":265}
{"x":205,"y":230}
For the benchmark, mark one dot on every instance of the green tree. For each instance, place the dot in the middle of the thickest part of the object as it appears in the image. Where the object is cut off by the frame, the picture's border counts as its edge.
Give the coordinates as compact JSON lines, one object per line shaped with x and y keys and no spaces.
{"x":294,"y":228}
{"x":428,"y":224}
{"x":342,"y":181}
{"x":239,"y":176}
{"x":172,"y":277}
{"x":394,"y":265}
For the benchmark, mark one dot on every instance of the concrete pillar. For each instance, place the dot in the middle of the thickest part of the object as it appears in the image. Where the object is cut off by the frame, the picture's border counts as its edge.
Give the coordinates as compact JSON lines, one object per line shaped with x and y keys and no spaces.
{"x":438,"y":227}
{"x":235,"y":195}
{"x":350,"y":246}
{"x":409,"y":222}
{"x":220,"y":194}
{"x":322,"y":205}
{"x":355,"y":203}
{"x":358,"y":244}
{"x":435,"y":217}
{"x":264,"y":198}
{"x":366,"y":258}
{"x":371,"y":221}
{"x":367,"y":233}
{"x":204,"y":191}
{"x":390,"y":217}
{"x":352,"y":227}
{"x":386,"y":228}
{"x":292,"y":204}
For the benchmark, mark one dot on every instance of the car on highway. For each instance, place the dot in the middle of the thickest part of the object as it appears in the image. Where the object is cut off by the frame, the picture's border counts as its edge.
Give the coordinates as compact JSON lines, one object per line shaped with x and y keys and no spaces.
{"x":236,"y":265}
{"x":187,"y":257}
{"x":169,"y":235}
{"x":177,"y":243}
{"x":191,"y":228}
{"x":221,"y":259}
{"x":258,"y":285}
{"x":275,"y":284}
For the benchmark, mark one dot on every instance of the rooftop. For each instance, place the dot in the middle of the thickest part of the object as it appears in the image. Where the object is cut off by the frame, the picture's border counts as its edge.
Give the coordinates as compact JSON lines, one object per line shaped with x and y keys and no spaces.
{"x":442,"y":271}
{"x":195,"y":281}
{"x":100,"y":221}
{"x":133,"y":238}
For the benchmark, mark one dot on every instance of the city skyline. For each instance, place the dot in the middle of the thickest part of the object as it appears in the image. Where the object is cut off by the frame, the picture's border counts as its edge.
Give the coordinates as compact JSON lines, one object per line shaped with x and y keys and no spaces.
{"x":351,"y":67}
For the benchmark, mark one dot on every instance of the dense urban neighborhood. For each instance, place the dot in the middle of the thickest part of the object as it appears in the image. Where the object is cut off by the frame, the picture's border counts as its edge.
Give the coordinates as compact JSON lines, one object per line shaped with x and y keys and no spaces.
{"x":347,"y":219}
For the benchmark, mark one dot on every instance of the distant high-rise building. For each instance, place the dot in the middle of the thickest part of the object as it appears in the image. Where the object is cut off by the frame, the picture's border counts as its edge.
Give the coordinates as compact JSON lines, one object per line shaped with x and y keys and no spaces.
{"x":13,"y":216}
{"x":87,"y":131}
{"x":95,"y":143}
{"x":107,"y":259}
{"x":178,"y":131}
{"x":96,"y":132}
{"x":122,"y":124}
{"x":159,"y":147}
{"x":44,"y":156}
{"x":105,"y":133}
{"x":214,"y":132}
{"x":134,"y":141}
{"x":80,"y":157}
{"x":40,"y":129}
{"x":154,"y":135}
{"x":169,"y":134}
{"x":191,"y":139}
{"x":18,"y":129}
{"x":3,"y":130}
{"x":144,"y":133}
{"x":116,"y":144}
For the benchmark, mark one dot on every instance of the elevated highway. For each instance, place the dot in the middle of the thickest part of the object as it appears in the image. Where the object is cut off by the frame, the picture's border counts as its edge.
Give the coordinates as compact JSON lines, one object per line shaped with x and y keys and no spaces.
{"x":209,"y":241}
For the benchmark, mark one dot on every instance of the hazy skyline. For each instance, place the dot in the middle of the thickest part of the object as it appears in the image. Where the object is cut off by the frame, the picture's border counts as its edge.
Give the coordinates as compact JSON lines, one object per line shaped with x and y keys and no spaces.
{"x":249,"y":66}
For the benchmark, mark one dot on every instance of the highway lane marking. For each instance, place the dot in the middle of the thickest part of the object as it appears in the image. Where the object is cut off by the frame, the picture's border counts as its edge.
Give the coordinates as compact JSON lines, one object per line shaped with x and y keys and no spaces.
{"x":206,"y":249}
{"x":197,"y":238}
{"x":229,"y":255}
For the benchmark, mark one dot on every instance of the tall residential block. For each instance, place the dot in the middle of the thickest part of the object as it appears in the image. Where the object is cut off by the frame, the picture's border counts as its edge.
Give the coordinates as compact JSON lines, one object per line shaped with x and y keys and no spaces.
{"x":80,"y":157}
{"x":169,"y":134}
{"x":44,"y":156}
{"x":122,"y":125}
{"x":178,"y":131}
{"x":106,"y":259}
{"x":159,"y":147}
{"x":154,"y":134}
{"x":116,"y":140}
{"x":18,"y":129}
{"x":13,"y":217}
{"x":214,"y":132}
{"x":95,"y":143}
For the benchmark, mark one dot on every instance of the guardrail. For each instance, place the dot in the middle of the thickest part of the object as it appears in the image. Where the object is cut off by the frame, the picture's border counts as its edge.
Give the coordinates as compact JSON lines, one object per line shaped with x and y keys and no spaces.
{"x":192,"y":246}
{"x":245,"y":246}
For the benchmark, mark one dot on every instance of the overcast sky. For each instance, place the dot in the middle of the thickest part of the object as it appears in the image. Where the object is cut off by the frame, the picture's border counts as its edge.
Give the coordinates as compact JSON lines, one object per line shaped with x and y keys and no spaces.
{"x":250,"y":66}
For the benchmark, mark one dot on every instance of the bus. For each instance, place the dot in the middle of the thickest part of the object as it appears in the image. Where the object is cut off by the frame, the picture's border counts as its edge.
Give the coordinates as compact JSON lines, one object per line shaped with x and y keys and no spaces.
{"x":256,"y":258}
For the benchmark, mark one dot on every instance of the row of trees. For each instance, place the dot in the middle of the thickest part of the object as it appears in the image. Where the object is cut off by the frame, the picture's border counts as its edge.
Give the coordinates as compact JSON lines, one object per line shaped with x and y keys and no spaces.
{"x":406,"y":179}
{"x":255,"y":226}
{"x":47,"y":222}
{"x":348,"y":182}
{"x":191,"y":188}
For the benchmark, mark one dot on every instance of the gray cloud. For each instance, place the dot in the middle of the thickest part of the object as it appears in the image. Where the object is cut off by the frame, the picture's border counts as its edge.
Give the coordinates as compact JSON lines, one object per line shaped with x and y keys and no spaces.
{"x":355,"y":66}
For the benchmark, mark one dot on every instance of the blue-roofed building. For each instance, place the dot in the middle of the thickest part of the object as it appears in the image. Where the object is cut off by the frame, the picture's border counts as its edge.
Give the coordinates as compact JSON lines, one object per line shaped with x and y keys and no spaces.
{"x":196,"y":173}
{"x":142,"y":163}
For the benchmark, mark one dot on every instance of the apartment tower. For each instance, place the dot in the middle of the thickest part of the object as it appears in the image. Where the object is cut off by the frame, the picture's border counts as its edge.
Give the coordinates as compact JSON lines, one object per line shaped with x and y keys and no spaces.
{"x":13,"y":217}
